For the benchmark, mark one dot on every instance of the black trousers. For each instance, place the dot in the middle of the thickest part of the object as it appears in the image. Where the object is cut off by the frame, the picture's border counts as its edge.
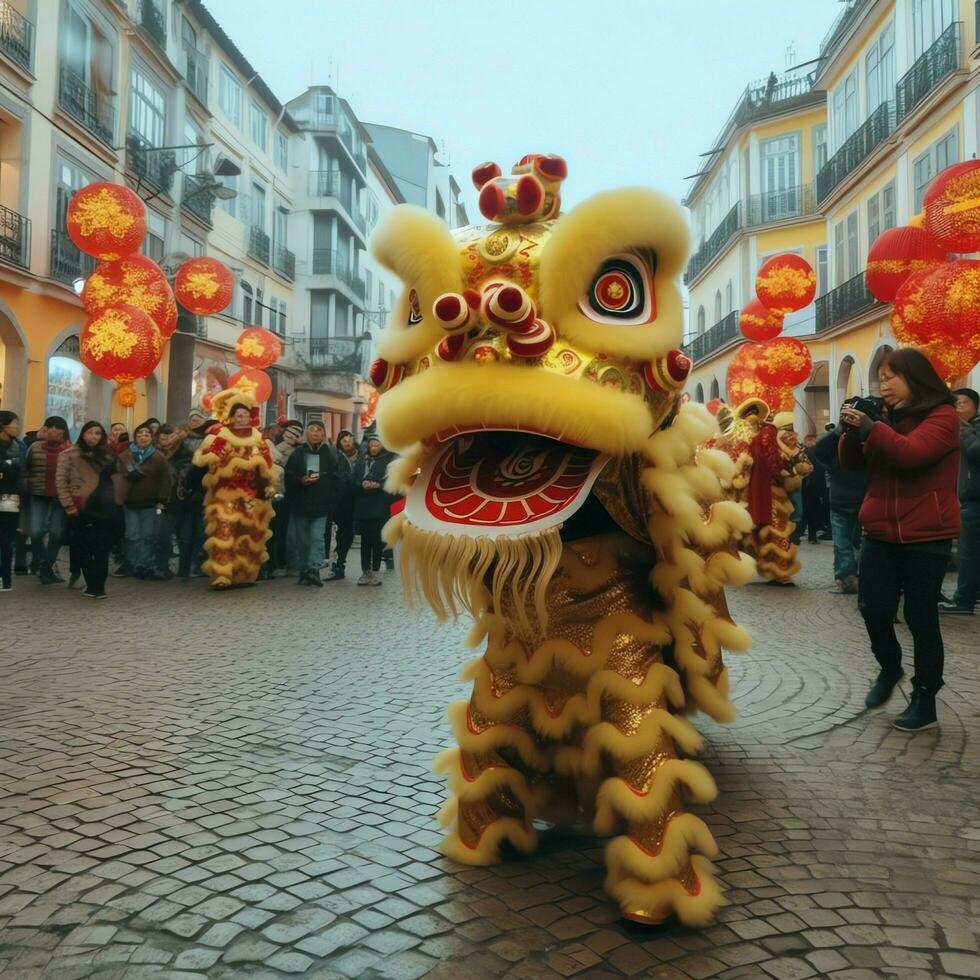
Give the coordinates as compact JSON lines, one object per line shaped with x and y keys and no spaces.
{"x":344,"y":519}
{"x":8,"y":537}
{"x":888,"y":571}
{"x":93,"y":542}
{"x":371,"y":545}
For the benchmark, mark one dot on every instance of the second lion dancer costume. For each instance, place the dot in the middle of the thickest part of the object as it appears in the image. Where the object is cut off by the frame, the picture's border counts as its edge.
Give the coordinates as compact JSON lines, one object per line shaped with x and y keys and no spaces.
{"x":238,"y":487}
{"x":531,"y":381}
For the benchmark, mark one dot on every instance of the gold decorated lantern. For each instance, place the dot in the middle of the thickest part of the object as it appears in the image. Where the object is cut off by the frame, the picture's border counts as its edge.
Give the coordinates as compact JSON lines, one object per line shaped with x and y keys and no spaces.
{"x":258,"y":348}
{"x":257,"y":383}
{"x":786,"y":283}
{"x":784,"y":362}
{"x":895,"y":254}
{"x":121,"y":344}
{"x":106,"y":220}
{"x":133,"y":281}
{"x":758,"y":322}
{"x":204,"y":286}
{"x":951,"y":205}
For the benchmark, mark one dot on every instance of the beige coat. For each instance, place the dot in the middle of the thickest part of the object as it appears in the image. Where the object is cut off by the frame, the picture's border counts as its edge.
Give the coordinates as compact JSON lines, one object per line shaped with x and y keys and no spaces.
{"x":75,"y":478}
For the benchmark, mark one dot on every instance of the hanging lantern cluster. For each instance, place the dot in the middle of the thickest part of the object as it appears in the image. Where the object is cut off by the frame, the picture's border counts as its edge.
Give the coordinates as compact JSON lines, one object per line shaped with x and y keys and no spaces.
{"x":935,"y":295}
{"x":770,"y":366}
{"x":256,"y":349}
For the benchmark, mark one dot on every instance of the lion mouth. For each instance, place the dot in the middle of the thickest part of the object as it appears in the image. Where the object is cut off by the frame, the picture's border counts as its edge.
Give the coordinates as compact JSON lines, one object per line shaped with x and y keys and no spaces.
{"x":501,"y":482}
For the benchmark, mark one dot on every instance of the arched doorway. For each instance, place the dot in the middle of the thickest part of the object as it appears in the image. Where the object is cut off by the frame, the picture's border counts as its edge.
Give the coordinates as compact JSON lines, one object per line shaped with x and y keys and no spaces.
{"x":848,"y":381}
{"x":13,"y":363}
{"x":817,"y":398}
{"x":873,"y":387}
{"x":69,"y":391}
{"x":699,"y":393}
{"x":715,"y":390}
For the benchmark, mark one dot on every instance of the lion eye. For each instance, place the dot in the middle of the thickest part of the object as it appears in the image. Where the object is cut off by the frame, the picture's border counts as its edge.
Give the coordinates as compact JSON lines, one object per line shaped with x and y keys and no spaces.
{"x":622,"y":291}
{"x":414,"y":308}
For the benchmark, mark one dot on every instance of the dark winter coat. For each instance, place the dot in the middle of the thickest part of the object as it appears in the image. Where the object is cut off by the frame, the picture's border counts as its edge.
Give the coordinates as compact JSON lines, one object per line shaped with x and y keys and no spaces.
{"x":152,"y":489}
{"x":13,"y":472}
{"x":911,"y":463}
{"x":968,"y":486}
{"x":374,"y":504}
{"x":846,"y":486}
{"x":313,"y":499}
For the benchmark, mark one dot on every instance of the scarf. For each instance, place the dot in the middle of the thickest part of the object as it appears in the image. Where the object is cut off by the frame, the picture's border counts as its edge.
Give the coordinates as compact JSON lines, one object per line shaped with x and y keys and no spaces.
{"x":141,"y":455}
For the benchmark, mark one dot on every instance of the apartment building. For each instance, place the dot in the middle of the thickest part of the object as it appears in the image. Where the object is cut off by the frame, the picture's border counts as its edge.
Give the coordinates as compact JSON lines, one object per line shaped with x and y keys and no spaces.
{"x":154,"y":94}
{"x":900,"y":81}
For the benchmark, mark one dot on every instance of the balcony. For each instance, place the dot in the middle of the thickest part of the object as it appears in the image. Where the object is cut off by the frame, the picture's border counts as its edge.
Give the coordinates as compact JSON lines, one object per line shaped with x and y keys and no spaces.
{"x":714,"y":338}
{"x":720,"y":237}
{"x":150,"y":165}
{"x":345,"y":355}
{"x":15,"y":238}
{"x":93,"y":111}
{"x":16,"y":37}
{"x":68,"y":263}
{"x":328,"y":262}
{"x":198,"y":198}
{"x":757,"y":100}
{"x":856,"y":149}
{"x":939,"y":61}
{"x":794,"y":202}
{"x":284,"y":262}
{"x":150,"y":17}
{"x":844,"y":303}
{"x":196,"y":73}
{"x":259,"y":245}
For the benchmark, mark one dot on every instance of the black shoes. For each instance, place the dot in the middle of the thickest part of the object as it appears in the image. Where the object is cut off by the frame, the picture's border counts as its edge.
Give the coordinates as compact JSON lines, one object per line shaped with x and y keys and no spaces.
{"x":882,"y":688}
{"x":73,"y":579}
{"x":952,"y":609}
{"x":337,"y":572}
{"x":48,"y":576}
{"x":920,"y":714}
{"x":310,"y":577}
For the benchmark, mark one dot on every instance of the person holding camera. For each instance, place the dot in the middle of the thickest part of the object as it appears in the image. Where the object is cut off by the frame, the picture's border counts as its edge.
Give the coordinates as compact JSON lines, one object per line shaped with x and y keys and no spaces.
{"x":147,"y":490}
{"x":910,"y":515}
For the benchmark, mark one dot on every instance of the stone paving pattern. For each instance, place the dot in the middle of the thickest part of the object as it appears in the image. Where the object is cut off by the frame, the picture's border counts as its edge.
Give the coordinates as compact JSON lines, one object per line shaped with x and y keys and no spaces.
{"x":239,"y":785}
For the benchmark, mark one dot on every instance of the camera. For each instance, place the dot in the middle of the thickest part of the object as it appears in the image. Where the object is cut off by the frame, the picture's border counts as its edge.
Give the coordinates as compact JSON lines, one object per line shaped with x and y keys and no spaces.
{"x":873,"y":406}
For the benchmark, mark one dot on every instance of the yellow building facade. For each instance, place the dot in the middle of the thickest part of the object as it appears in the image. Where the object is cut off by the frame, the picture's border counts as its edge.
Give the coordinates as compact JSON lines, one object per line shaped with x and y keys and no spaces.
{"x":896,"y":82}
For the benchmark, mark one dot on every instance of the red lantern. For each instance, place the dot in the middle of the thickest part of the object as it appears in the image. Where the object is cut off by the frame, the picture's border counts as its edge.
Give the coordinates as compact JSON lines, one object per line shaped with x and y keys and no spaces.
{"x":952,"y":207}
{"x":942,"y":305}
{"x":258,"y":347}
{"x":122,"y":343}
{"x":784,"y":362}
{"x":895,"y":255}
{"x":257,"y":383}
{"x":758,"y":322}
{"x":714,"y":405}
{"x":742,"y":380}
{"x":786,"y":283}
{"x":134,"y":281}
{"x":106,"y":220}
{"x":204,"y":286}
{"x":126,"y":395}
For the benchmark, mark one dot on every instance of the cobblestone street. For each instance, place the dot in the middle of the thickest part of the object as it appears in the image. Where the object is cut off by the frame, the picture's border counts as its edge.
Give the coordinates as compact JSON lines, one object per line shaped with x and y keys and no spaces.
{"x":239,"y":785}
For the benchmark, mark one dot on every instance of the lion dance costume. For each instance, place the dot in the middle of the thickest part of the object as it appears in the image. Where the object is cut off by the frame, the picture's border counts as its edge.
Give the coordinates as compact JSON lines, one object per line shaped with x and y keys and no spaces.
{"x":768,"y":467}
{"x":238,"y":485}
{"x":531,"y":383}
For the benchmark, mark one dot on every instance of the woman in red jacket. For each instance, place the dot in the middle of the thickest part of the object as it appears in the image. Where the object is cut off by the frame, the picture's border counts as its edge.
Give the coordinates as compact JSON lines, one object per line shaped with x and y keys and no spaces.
{"x":910,"y":517}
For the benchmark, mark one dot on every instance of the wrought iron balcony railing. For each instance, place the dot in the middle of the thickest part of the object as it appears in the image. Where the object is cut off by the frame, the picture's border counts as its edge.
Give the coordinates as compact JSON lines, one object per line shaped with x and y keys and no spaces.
{"x":713,"y":245}
{"x":328,"y":262}
{"x":284,"y":262}
{"x":196,"y":72}
{"x":16,"y":36}
{"x":68,"y":263}
{"x":345,"y":355}
{"x":15,"y":238}
{"x":259,"y":245}
{"x":150,"y":17}
{"x":198,"y":198}
{"x":715,"y":337}
{"x":856,"y":149}
{"x":941,"y":59}
{"x":848,"y":300}
{"x":151,"y":165}
{"x":325,"y":183}
{"x":93,"y":111}
{"x":794,"y":202}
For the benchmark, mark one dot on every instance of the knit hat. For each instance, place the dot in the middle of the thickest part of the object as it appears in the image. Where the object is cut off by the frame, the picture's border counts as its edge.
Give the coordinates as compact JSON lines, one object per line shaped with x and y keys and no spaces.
{"x":292,"y":425}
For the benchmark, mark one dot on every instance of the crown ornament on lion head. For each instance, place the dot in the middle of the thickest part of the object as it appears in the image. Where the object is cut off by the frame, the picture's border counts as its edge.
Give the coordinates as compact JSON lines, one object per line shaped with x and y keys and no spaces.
{"x":554,"y":490}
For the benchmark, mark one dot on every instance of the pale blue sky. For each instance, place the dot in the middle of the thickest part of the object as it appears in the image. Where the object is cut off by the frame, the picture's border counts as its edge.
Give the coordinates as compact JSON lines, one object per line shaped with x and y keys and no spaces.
{"x":628,"y":91}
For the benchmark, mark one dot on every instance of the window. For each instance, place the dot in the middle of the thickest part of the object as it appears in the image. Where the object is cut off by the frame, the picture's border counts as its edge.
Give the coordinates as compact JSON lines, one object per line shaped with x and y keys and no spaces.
{"x":368,"y":282}
{"x":191,"y":246}
{"x":879,"y":69}
{"x":929,"y":19}
{"x":845,"y":109}
{"x":257,"y":124}
{"x":881,"y":212}
{"x":823,"y":270}
{"x":230,"y":205}
{"x":717,"y":305}
{"x":700,"y":320}
{"x":440,"y":207}
{"x":187,"y":33}
{"x":156,"y":233}
{"x":319,"y":313}
{"x":147,"y":109}
{"x":195,"y":160}
{"x":71,"y":178}
{"x":938,"y":157}
{"x":729,"y":297}
{"x":260,"y":308}
{"x":853,"y":259}
{"x":279,"y":230}
{"x":847,"y":261}
{"x":258,"y":205}
{"x":282,"y":317}
{"x":282,"y":152}
{"x":230,"y":96}
{"x":87,"y":52}
{"x":819,"y":147}
{"x":246,"y":303}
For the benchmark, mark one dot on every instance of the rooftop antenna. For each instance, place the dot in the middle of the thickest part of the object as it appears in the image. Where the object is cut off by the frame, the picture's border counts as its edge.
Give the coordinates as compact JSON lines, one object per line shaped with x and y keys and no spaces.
{"x":790,"y":55}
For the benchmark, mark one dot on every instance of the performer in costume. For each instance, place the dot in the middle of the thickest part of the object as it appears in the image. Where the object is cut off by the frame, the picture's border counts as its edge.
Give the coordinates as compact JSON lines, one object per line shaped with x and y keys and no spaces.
{"x":531,"y":383}
{"x":238,"y":487}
